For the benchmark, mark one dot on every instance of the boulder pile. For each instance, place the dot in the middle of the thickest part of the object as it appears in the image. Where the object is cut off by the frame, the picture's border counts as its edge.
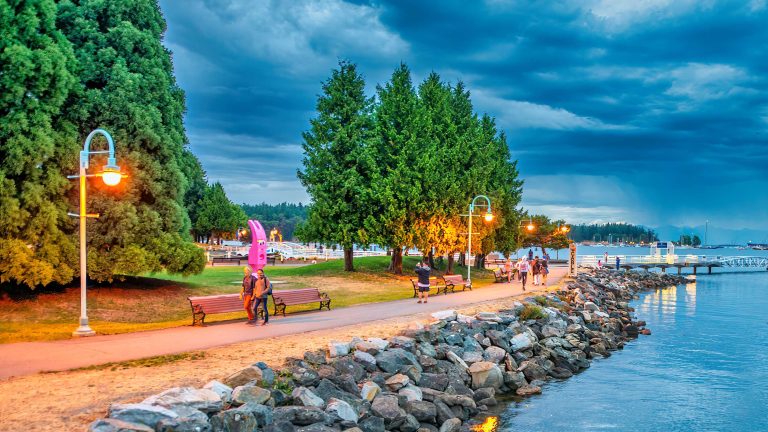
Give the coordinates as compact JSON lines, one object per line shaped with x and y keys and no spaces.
{"x":432,"y":378}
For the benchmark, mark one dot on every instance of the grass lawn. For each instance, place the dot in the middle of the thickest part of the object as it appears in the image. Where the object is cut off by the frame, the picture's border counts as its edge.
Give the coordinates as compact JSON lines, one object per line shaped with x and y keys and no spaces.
{"x":160,"y":300}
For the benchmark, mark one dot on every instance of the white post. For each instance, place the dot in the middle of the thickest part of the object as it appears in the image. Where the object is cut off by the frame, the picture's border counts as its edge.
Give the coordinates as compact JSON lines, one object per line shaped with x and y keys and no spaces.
{"x":469,"y":246}
{"x":84,"y":329}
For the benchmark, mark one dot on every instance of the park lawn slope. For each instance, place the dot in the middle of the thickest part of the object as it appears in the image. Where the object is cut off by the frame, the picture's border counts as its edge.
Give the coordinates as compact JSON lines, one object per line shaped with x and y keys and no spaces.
{"x":160,"y":300}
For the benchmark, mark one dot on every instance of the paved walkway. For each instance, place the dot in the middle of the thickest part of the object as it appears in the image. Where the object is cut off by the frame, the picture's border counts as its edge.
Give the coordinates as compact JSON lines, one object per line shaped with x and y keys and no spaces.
{"x":31,"y":357}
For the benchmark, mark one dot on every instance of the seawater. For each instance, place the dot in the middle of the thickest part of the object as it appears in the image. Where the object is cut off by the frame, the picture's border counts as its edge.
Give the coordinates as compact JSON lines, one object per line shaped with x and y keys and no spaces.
{"x":704,"y":368}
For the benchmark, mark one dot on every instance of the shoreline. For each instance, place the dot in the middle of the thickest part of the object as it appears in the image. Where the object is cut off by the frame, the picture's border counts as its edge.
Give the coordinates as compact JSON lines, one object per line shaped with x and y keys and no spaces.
{"x":401,"y":384}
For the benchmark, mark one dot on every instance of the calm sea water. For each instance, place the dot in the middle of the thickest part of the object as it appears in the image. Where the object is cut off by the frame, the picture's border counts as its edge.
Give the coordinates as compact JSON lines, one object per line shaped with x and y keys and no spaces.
{"x":705,"y":368}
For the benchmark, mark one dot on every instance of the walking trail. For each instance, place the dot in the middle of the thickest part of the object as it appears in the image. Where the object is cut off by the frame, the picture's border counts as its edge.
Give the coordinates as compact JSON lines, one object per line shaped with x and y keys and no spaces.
{"x":26,"y":358}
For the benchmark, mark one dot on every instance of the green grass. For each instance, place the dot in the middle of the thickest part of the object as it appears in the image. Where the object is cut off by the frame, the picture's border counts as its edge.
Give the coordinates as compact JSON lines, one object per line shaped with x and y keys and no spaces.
{"x":156,"y":301}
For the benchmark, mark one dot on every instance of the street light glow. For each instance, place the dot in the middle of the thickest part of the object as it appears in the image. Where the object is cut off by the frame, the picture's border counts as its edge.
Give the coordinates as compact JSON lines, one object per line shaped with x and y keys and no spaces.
{"x":111,"y":175}
{"x":488,"y":217}
{"x":530,"y":227}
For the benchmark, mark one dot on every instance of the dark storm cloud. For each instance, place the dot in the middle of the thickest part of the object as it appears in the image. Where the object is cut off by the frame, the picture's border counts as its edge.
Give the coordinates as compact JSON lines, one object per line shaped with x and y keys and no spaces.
{"x":652,"y":112}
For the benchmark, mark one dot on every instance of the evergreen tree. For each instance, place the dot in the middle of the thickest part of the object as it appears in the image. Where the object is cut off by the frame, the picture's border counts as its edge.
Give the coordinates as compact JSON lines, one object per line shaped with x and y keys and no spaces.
{"x":338,"y":166}
{"x":399,"y":188}
{"x":217,"y":216}
{"x":127,"y":87}
{"x":35,"y":79}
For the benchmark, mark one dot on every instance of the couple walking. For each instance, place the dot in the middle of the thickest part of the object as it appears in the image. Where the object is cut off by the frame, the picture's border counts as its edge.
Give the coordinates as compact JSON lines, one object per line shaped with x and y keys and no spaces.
{"x":539,"y":268}
{"x":255,"y":293}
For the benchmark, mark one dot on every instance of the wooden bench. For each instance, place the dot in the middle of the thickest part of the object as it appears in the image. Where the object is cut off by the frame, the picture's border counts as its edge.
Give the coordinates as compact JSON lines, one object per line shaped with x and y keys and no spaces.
{"x":433,"y":283}
{"x":232,"y":260}
{"x":500,"y":275}
{"x":454,"y":281}
{"x":301,"y":296}
{"x":206,"y":305}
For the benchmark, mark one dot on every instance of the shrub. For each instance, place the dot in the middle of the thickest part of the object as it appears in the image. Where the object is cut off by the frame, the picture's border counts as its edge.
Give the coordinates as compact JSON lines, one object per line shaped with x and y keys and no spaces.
{"x":531,"y":312}
{"x":541,"y":300}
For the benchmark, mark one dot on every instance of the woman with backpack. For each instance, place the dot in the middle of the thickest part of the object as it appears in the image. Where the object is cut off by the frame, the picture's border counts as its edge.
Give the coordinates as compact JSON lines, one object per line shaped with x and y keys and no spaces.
{"x":544,"y":271}
{"x":536,"y":270}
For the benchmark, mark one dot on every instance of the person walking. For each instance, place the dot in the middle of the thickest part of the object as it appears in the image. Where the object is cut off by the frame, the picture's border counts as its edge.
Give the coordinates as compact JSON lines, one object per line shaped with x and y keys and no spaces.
{"x":544,"y":272}
{"x":524,"y":267}
{"x":536,"y":269}
{"x":246,"y":293}
{"x":508,"y":269}
{"x":423,"y":270}
{"x":262,"y":288}
{"x":618,"y":263}
{"x":530,"y":255}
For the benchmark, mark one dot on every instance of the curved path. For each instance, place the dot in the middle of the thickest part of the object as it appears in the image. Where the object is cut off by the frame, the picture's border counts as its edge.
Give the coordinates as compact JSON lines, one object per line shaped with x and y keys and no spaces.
{"x":31,"y":357}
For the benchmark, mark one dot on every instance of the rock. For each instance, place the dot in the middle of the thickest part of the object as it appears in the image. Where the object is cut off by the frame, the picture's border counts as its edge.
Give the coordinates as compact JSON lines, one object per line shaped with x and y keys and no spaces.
{"x":369,"y":391}
{"x":250,"y":393}
{"x":486,"y":374}
{"x":380,"y":344}
{"x":305,"y":376}
{"x":316,"y":428}
{"x":470,"y":357}
{"x":453,"y":339}
{"x":443,"y":411}
{"x":386,"y":407}
{"x":365,"y":358}
{"x":458,"y":400}
{"x":404,"y":342}
{"x":411,"y":393}
{"x":560,"y":373}
{"x":514,"y":380}
{"x":301,"y":416}
{"x":341,"y":409}
{"x":372,"y":424}
{"x":115,"y":425}
{"x":367,"y":347}
{"x":434,"y":381}
{"x":224,"y":391}
{"x":451,"y":425}
{"x":423,"y":411}
{"x":427,"y":349}
{"x":345,"y":365}
{"x":488,"y":316}
{"x":528,"y":390}
{"x":149,"y":415}
{"x":591,"y":307}
{"x":234,"y":420}
{"x":201,"y":399}
{"x":244,"y":376}
{"x":450,"y":355}
{"x":396,"y":382}
{"x":337,"y":349}
{"x":494,"y":354}
{"x":552,"y":331}
{"x":464,"y":319}
{"x":521,"y":342}
{"x":413,"y":372}
{"x":305,"y":397}
{"x":532,"y":371}
{"x":316,"y":357}
{"x":410,"y":424}
{"x":645,"y":331}
{"x":394,"y":359}
{"x":484,"y":393}
{"x":447,"y":315}
{"x":262,"y":413}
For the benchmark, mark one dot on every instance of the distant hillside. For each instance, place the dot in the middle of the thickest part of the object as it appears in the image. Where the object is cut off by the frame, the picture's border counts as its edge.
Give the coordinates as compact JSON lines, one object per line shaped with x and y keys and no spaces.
{"x":285,"y":216}
{"x":715,"y":235}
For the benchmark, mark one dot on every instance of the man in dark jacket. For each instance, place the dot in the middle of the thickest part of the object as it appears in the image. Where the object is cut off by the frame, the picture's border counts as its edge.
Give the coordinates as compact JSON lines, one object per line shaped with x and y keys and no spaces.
{"x":423,"y":270}
{"x":261,"y":292}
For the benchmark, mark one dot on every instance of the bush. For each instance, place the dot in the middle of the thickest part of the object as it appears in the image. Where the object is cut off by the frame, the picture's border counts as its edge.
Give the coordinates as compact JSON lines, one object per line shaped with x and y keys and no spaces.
{"x":541,"y":300}
{"x":531,"y":312}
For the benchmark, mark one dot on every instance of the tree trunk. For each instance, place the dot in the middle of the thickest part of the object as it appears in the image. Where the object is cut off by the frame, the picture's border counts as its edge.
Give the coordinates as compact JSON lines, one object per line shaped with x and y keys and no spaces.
{"x":462,"y":259}
{"x":449,"y":269}
{"x":480,"y":261}
{"x":348,"y":256}
{"x":431,"y":257}
{"x":543,"y":251}
{"x":396,"y":263}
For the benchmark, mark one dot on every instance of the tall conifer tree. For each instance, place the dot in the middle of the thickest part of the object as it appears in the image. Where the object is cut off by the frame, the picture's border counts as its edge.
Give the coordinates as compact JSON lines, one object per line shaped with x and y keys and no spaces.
{"x":35,"y":78}
{"x":338,"y":166}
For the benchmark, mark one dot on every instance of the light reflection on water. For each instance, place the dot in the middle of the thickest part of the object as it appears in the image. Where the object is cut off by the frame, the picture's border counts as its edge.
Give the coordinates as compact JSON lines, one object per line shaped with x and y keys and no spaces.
{"x":705,"y":368}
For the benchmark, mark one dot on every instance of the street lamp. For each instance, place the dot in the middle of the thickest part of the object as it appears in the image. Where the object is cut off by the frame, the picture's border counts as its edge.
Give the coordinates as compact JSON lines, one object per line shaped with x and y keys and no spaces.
{"x":111,"y":176}
{"x":529,"y":226}
{"x":488,"y":217}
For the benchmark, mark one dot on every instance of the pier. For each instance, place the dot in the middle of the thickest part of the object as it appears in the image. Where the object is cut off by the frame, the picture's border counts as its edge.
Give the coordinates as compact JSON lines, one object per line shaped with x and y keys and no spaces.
{"x":647,"y":262}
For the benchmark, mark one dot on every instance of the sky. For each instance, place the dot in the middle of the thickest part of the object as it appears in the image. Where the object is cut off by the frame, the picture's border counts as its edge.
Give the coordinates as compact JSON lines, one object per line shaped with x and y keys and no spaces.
{"x":646,"y":111}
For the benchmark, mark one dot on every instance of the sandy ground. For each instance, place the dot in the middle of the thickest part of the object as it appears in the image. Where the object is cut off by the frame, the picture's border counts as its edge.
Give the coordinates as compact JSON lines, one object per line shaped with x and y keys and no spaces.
{"x":69,"y":401}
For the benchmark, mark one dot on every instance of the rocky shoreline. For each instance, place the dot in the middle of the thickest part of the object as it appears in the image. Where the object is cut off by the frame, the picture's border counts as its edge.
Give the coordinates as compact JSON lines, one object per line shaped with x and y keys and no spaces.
{"x":439,"y":377}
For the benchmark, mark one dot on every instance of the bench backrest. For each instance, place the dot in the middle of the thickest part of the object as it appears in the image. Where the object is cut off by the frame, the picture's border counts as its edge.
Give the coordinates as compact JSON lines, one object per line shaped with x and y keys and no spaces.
{"x":218,"y":303}
{"x":433,"y":281}
{"x":497,"y":272}
{"x":293,"y":297}
{"x":454,"y":279}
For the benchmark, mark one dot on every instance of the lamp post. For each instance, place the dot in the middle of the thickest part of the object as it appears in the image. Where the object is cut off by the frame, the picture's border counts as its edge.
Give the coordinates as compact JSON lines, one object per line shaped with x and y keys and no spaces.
{"x":111,"y":176}
{"x":488,"y":217}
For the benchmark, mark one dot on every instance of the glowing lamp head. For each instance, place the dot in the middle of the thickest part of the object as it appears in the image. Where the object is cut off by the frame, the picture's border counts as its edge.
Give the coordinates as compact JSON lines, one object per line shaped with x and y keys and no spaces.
{"x":530,"y":227}
{"x":488,"y":217}
{"x":565,"y":229}
{"x":111,"y":175}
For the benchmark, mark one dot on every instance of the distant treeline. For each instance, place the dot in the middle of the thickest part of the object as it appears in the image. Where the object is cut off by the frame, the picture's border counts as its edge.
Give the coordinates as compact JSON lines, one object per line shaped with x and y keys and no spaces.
{"x":285,"y":216}
{"x":615,"y":232}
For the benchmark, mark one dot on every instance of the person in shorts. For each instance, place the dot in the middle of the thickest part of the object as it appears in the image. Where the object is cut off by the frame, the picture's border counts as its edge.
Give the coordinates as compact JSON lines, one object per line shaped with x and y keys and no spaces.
{"x":423,"y":270}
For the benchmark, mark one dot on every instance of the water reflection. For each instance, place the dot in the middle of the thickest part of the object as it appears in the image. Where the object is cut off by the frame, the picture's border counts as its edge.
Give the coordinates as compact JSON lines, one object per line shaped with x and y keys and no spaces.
{"x":491,"y":424}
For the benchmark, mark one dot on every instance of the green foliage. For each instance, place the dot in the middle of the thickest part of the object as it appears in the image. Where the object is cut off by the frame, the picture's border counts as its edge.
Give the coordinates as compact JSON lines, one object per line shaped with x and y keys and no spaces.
{"x":541,"y":300}
{"x":285,"y":216}
{"x":36,"y":63}
{"x":618,"y":231}
{"x":531,"y":312}
{"x":217,"y":216}
{"x":546,"y":233}
{"x":338,"y":164}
